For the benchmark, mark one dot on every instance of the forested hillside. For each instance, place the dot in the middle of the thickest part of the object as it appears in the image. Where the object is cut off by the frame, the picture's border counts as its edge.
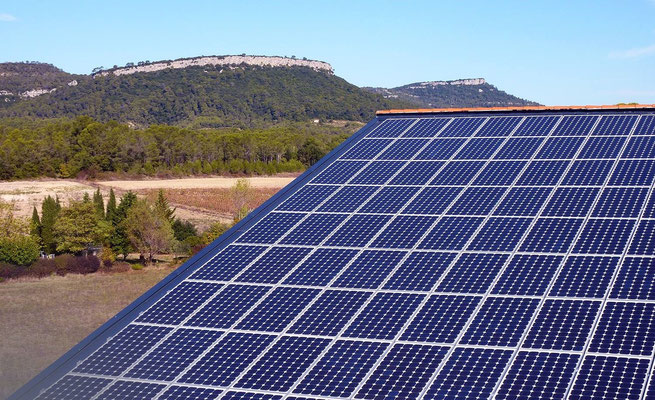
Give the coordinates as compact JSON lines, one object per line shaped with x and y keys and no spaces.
{"x":204,"y":96}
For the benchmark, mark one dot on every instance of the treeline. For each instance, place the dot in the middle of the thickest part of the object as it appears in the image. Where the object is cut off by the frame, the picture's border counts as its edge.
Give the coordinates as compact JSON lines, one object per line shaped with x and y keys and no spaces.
{"x":67,"y":148}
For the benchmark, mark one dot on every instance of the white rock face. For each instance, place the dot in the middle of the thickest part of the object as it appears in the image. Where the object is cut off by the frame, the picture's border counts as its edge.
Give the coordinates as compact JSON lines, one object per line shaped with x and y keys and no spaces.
{"x":464,"y":82}
{"x":36,"y":92}
{"x":260,"y":61}
{"x":72,"y":83}
{"x":5,"y":93}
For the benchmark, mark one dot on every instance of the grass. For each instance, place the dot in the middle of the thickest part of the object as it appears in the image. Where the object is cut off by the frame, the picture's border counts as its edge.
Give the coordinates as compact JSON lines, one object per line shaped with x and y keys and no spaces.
{"x":41,"y":319}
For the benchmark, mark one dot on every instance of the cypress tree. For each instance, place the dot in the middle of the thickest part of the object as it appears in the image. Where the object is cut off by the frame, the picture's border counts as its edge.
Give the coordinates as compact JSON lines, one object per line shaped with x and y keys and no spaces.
{"x":119,"y":241}
{"x":163,"y":208}
{"x":111,"y":206}
{"x":49,"y":211}
{"x":99,"y":204}
{"x":35,"y":225}
{"x":86,"y":197}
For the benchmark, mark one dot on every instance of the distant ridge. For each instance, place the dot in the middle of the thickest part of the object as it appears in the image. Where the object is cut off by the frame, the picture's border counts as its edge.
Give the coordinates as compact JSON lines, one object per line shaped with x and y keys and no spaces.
{"x":475,"y":92}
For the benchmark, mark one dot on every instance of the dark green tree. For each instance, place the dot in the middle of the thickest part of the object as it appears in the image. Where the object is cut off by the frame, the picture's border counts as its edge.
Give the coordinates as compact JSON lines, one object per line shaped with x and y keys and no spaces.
{"x":35,"y":225}
{"x":86,"y":198}
{"x":49,"y":211}
{"x":119,"y":240}
{"x":183,"y":229}
{"x":163,"y":207}
{"x":111,"y":206}
{"x":99,"y":204}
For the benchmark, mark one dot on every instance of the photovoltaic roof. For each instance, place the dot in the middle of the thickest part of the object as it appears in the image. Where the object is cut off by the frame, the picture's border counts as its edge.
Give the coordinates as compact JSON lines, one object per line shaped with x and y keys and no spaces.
{"x":472,"y":254}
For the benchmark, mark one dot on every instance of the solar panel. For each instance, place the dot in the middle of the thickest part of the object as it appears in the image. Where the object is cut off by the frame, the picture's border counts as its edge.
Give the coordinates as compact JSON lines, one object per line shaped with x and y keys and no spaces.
{"x":491,"y":255}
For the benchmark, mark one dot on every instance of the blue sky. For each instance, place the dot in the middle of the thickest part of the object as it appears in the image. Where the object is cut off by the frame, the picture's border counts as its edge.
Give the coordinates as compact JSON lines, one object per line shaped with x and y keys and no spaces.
{"x":553,"y":52}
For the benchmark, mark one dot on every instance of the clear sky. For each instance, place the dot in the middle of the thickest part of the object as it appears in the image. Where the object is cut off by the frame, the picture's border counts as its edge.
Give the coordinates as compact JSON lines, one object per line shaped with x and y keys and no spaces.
{"x":553,"y":52}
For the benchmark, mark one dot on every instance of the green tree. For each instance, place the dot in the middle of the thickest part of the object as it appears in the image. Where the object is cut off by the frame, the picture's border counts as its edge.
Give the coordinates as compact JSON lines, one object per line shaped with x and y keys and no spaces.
{"x":183,"y":229}
{"x":163,"y":207}
{"x":111,"y":206}
{"x":78,"y":227}
{"x":35,"y":225}
{"x":50,"y":209}
{"x":119,"y":240}
{"x":242,"y":195}
{"x":99,"y":204}
{"x":86,"y":198}
{"x":148,"y":230}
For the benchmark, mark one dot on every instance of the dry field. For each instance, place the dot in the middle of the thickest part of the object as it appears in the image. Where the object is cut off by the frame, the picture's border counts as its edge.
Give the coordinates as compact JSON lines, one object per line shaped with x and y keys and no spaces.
{"x":42,"y":319}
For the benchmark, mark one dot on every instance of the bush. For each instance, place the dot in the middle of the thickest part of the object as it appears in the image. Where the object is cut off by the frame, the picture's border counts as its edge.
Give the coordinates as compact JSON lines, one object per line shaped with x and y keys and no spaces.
{"x":19,"y":250}
{"x":42,"y":267}
{"x":137,"y":267}
{"x":9,"y":271}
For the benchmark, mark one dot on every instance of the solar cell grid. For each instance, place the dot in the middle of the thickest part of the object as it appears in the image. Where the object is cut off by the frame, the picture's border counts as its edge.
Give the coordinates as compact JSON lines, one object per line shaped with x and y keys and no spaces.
{"x":549,"y":297}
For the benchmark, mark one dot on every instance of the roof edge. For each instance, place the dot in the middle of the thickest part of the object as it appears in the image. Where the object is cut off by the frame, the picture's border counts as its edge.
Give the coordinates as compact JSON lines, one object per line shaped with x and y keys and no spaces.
{"x":523,"y":108}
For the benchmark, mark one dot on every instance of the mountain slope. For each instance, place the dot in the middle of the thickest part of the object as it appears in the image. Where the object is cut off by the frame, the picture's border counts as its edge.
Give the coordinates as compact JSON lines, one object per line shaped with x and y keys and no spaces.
{"x":206,"y":95}
{"x":459,"y":93}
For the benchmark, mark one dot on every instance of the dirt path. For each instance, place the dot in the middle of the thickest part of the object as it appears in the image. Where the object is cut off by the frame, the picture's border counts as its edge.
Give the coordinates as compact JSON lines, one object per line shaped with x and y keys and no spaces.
{"x":198,"y":183}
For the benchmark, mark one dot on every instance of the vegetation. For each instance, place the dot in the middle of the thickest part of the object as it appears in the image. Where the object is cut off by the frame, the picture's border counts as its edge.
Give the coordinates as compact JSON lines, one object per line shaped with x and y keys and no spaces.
{"x":207,"y":96}
{"x":83,"y":147}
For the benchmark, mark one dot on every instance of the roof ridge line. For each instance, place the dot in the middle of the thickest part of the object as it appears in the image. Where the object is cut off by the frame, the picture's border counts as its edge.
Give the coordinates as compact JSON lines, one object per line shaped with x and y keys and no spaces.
{"x":521,"y":108}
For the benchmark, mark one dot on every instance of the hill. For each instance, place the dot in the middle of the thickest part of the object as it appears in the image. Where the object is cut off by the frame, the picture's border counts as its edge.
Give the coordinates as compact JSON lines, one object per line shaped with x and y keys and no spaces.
{"x":458,"y":93}
{"x":198,"y":92}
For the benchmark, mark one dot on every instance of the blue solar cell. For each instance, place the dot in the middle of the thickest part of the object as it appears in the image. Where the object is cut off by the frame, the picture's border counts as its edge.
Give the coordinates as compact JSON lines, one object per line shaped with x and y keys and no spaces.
{"x":500,"y":321}
{"x":551,"y":235}
{"x":605,"y":378}
{"x":122,"y":350}
{"x":391,"y":127}
{"x":543,"y":173}
{"x":562,"y":325}
{"x":625,"y":328}
{"x":403,"y":149}
{"x":389,"y":200}
{"x":273,"y":265}
{"x":440,"y":149}
{"x":620,"y":202}
{"x":591,"y":172}
{"x":477,"y":149}
{"x":615,"y":125}
{"x":233,"y":395}
{"x":420,"y":271}
{"x":189,"y":393}
{"x":417,"y":173}
{"x":499,"y":126}
{"x":500,"y":234}
{"x":477,"y":201}
{"x":277,"y":310}
{"x":649,"y":209}
{"x":339,"y":172}
{"x":523,"y":201}
{"x":585,"y":276}
{"x":271,"y":228}
{"x":646,"y":125}
{"x":432,"y":200}
{"x":403,"y":232}
{"x":633,"y":172}
{"x":74,"y":388}
{"x":366,"y":149}
{"x":441,"y":319}
{"x":640,"y":147}
{"x":403,"y":373}
{"x":644,"y":239}
{"x":535,"y":375}
{"x":179,"y":303}
{"x":426,"y":127}
{"x":283,"y":364}
{"x":571,"y":202}
{"x":228,"y":306}
{"x":634,"y":279}
{"x":469,"y":374}
{"x":228,"y":263}
{"x":451,"y":233}
{"x":229,"y":358}
{"x":330,"y":313}
{"x":378,"y":172}
{"x":560,"y":148}
{"x":321,"y":267}
{"x":384,"y":316}
{"x":307,"y":198}
{"x":348,"y":199}
{"x":500,"y":173}
{"x":536,"y":126}
{"x":604,"y":236}
{"x":125,"y":390}
{"x":519,"y":148}
{"x":341,"y":369}
{"x":458,"y":173}
{"x":462,"y":127}
{"x":575,"y":125}
{"x":174,"y":354}
{"x":313,"y":230}
{"x":528,"y":275}
{"x":473,"y":273}
{"x":602,"y":147}
{"x":358,"y":230}
{"x":369,"y":269}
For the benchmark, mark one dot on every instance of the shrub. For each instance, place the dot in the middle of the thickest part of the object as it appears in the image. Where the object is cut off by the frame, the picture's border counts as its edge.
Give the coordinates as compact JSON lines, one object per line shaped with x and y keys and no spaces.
{"x":137,"y":267}
{"x":42,"y":267}
{"x":19,"y":250}
{"x":9,"y":271}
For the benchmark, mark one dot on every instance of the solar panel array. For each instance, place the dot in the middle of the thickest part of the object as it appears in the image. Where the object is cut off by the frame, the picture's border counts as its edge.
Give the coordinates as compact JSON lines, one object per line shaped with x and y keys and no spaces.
{"x":432,"y":256}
